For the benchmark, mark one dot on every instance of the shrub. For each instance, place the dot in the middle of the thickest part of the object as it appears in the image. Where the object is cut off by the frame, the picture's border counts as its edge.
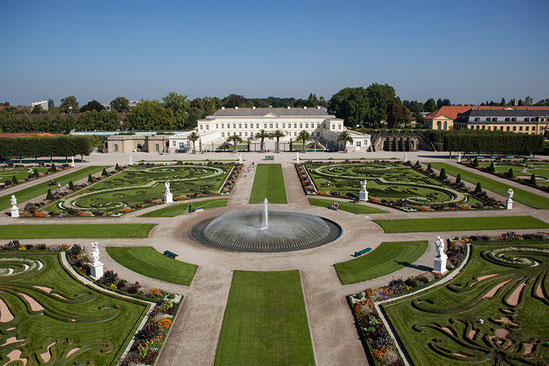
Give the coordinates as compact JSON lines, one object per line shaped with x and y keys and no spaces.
{"x":442,"y":174}
{"x":109,"y":277}
{"x":458,"y":179}
{"x":104,"y":173}
{"x":36,"y":174}
{"x":532,"y":180}
{"x":74,"y":250}
{"x":133,"y":288}
{"x":492,"y":168}
{"x":53,"y":168}
{"x":429,"y":168}
{"x":475,"y":163}
{"x":478,"y":188}
{"x":30,"y":208}
{"x":12,"y":245}
{"x":90,"y":178}
{"x":49,"y":196}
{"x":71,"y":186}
{"x":41,"y":246}
{"x":14,"y":180}
{"x":510,"y":173}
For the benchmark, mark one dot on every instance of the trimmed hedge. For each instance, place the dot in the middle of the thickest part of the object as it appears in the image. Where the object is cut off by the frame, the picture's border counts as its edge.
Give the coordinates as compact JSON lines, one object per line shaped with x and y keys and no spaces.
{"x":40,"y":146}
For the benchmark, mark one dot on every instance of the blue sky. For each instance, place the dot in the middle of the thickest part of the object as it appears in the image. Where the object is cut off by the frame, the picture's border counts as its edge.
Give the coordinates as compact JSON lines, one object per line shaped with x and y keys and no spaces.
{"x":468,"y":51}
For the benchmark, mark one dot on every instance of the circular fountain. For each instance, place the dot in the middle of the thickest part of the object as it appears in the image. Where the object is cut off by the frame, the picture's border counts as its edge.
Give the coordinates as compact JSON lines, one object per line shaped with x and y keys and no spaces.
{"x":265,"y":231}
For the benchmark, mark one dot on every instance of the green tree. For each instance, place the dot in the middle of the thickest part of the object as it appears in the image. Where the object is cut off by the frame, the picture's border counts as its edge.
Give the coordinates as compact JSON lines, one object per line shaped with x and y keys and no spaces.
{"x":312,"y":101}
{"x":36,"y":173}
{"x":90,"y":178}
{"x":458,"y":179}
{"x":71,"y":186}
{"x":510,"y":173}
{"x":442,"y":174}
{"x":430,"y":105}
{"x":378,"y":96}
{"x":120,"y":104}
{"x":478,"y":188}
{"x":193,"y":137}
{"x":350,"y":104}
{"x":304,"y":137}
{"x":234,"y":100}
{"x":37,"y":109}
{"x":397,"y":113}
{"x":180,"y":107}
{"x":104,"y":173}
{"x":235,"y":139}
{"x":14,"y":180}
{"x":51,"y":104}
{"x":69,"y":104}
{"x":532,"y":180}
{"x":344,"y":138}
{"x":94,"y":105}
{"x":277,"y":134}
{"x":150,"y":115}
{"x":49,"y":195}
{"x":492,"y":168}
{"x":262,"y":135}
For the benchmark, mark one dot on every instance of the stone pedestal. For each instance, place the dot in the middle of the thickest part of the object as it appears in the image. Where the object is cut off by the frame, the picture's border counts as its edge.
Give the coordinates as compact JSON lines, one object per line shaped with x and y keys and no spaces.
{"x":96,"y":270}
{"x":509,"y":204}
{"x":168,"y":197}
{"x":363,"y":195}
{"x":440,"y":263}
{"x":14,"y":211}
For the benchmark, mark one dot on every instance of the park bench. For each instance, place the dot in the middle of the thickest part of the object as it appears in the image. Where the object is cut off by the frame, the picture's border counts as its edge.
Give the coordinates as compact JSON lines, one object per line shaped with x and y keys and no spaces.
{"x":269,"y":157}
{"x":167,"y":253}
{"x":363,"y":251}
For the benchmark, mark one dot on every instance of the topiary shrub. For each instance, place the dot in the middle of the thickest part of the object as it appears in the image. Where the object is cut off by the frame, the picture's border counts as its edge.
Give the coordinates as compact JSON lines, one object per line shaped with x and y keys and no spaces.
{"x":90,"y":178}
{"x":71,"y":186}
{"x":510,"y":173}
{"x":104,"y":173}
{"x":36,"y":174}
{"x":475,"y":163}
{"x":14,"y":180}
{"x":458,"y":179}
{"x":478,"y":188}
{"x":49,"y":195}
{"x":53,"y":168}
{"x":442,"y":174}
{"x":492,"y":168}
{"x":532,"y":180}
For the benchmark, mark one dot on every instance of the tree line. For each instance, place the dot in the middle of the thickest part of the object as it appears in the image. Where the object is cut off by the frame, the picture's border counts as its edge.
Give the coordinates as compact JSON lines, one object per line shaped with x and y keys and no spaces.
{"x":42,"y":146}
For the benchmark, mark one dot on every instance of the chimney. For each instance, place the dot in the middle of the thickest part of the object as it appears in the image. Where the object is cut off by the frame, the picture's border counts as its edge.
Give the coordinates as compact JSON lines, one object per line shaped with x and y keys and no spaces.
{"x":304,"y":107}
{"x":253,"y":107}
{"x":235,"y":107}
{"x":288,"y":107}
{"x":318,"y":107}
{"x":222,"y":107}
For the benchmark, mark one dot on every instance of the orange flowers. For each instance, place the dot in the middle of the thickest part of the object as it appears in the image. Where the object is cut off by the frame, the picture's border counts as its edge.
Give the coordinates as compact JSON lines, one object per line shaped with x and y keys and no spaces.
{"x":165,"y":323}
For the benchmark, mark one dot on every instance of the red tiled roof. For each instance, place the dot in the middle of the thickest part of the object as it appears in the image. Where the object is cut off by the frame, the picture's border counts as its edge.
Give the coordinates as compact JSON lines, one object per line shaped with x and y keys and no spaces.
{"x":450,"y":111}
{"x":453,"y":110}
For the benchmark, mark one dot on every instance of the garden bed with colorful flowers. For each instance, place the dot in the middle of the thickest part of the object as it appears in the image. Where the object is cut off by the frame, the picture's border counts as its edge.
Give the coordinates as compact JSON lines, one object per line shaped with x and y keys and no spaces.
{"x":35,"y":174}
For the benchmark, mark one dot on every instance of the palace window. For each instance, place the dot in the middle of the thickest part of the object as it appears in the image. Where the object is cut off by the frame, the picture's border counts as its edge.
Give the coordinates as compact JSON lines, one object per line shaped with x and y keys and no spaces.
{"x":295,"y":125}
{"x":301,"y":125}
{"x":207,"y":127}
{"x":181,"y":145}
{"x":508,"y":128}
{"x":264,"y":125}
{"x":520,"y":128}
{"x":276,"y":126}
{"x":283,"y":125}
{"x":257,"y":125}
{"x":115,"y":147}
{"x":514,"y":128}
{"x":201,"y":127}
{"x":270,"y":125}
{"x":240,"y":125}
{"x":222,"y":134}
{"x":174,"y":144}
{"x":245,"y":133}
{"x":222,"y":126}
{"x":245,"y":125}
{"x":240,"y":134}
{"x":527,"y":128}
{"x":306,"y":125}
{"x":527,"y":119}
{"x":217,"y":126}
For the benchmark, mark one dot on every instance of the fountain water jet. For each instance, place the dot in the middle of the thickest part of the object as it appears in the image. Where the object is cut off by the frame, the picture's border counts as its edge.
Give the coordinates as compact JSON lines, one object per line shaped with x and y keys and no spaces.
{"x":265,"y":225}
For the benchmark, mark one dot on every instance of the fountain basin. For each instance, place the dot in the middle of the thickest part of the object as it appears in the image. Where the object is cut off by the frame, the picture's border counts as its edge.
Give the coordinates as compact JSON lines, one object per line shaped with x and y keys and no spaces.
{"x":244,"y":231}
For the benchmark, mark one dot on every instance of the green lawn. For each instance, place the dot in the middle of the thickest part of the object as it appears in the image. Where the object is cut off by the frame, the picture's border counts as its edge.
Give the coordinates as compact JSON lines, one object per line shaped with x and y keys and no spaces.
{"x":345,"y":206}
{"x":265,"y":321}
{"x":268,"y":183}
{"x":73,"y":231}
{"x":20,"y":173}
{"x":528,"y":198}
{"x":42,"y":188}
{"x":442,"y":327}
{"x":387,"y":258}
{"x":461,"y":224}
{"x":148,"y":262}
{"x":183,"y":208}
{"x":94,"y":327}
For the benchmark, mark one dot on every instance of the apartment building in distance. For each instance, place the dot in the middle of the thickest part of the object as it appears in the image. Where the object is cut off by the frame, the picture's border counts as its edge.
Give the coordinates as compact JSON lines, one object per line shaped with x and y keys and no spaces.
{"x":529,"y":120}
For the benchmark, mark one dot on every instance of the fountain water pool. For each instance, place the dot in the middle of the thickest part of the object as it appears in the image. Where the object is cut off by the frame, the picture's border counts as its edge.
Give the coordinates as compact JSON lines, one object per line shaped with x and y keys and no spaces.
{"x":265,"y":231}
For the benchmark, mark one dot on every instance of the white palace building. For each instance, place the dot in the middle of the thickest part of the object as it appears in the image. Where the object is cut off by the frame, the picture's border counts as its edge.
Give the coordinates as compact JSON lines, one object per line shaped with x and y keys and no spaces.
{"x":246,"y":123}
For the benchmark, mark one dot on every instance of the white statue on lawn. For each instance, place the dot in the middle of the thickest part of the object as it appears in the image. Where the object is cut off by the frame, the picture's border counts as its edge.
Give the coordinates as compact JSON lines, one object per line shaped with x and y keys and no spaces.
{"x":13,"y":200}
{"x":72,"y":161}
{"x":167,"y":185}
{"x":439,"y":243}
{"x":297,"y":157}
{"x":405,"y":160}
{"x":239,"y":158}
{"x":509,"y":202}
{"x":363,"y":195}
{"x":168,"y":196}
{"x":14,"y":208}
{"x":131,"y":162}
{"x":95,"y":252}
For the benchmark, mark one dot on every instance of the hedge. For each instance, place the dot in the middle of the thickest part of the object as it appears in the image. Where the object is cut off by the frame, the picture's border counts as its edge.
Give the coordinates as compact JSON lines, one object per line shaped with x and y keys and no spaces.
{"x":44,"y":146}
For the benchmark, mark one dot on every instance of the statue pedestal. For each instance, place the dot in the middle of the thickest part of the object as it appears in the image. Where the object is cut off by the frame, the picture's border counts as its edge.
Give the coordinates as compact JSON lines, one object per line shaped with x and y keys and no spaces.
{"x":363,"y":196}
{"x":509,"y":204}
{"x":168,"y":197}
{"x":14,"y":211}
{"x":96,"y":270}
{"x":440,"y":264}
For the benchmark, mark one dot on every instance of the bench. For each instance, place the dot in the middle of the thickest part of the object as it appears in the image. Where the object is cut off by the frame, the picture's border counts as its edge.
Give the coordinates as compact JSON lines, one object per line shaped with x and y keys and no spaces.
{"x":269,"y":157}
{"x":363,"y":251}
{"x":167,"y":253}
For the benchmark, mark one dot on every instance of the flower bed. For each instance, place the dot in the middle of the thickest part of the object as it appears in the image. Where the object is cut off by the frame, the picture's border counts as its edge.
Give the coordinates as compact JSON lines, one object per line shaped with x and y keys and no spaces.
{"x":148,"y":341}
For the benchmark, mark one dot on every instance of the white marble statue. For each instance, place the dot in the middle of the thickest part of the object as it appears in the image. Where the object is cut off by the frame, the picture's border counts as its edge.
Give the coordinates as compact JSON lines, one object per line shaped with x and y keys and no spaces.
{"x":459,"y":158}
{"x":509,"y":201}
{"x":239,"y":158}
{"x":510,"y":193}
{"x":297,"y":157}
{"x":14,"y":208}
{"x":13,"y":200}
{"x":131,"y":162}
{"x":167,"y":185}
{"x":363,"y":195}
{"x":439,"y":243}
{"x":72,"y":161}
{"x":405,"y":158}
{"x":95,"y":252}
{"x":168,"y":196}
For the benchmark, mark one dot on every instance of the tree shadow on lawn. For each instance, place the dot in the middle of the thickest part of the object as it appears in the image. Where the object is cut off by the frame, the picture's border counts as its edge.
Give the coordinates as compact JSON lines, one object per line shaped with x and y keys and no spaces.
{"x":414,"y":266}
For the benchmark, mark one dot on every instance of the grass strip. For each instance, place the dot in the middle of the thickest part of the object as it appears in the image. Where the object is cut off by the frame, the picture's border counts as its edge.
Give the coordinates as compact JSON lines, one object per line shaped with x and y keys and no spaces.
{"x":345,"y":206}
{"x":268,"y":183}
{"x":148,"y":262}
{"x":74,"y":231}
{"x":460,"y":224}
{"x":181,"y":209}
{"x":42,"y":188}
{"x":389,"y":257}
{"x":528,"y":198}
{"x":265,"y":321}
